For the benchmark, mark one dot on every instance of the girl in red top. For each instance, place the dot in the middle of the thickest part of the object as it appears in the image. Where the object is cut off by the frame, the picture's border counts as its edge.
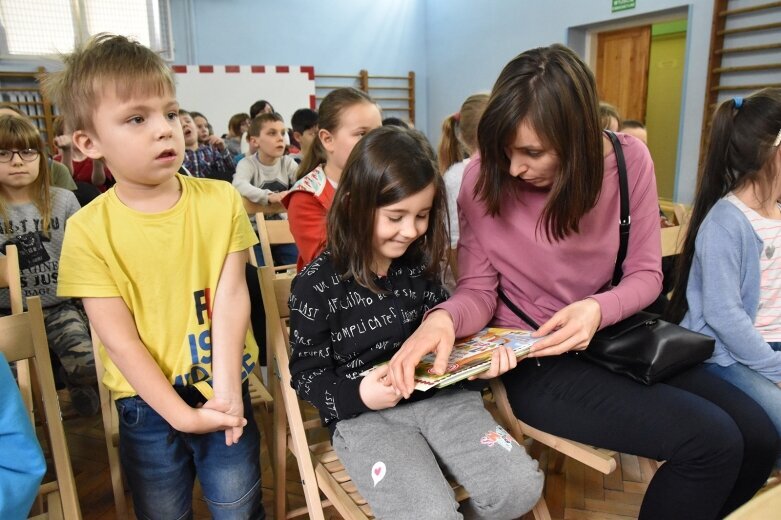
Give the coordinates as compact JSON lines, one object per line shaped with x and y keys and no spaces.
{"x":345,"y":116}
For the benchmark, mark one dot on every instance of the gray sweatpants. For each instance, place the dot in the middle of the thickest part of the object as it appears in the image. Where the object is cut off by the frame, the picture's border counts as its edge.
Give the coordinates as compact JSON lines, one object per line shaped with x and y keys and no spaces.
{"x":398,"y":459}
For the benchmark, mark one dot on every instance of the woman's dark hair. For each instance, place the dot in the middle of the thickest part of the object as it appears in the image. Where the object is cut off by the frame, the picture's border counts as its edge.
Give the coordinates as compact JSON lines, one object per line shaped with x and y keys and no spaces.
{"x":329,"y":118}
{"x":388,"y":165}
{"x":740,"y":150}
{"x":554,"y":92}
{"x":258,"y":107}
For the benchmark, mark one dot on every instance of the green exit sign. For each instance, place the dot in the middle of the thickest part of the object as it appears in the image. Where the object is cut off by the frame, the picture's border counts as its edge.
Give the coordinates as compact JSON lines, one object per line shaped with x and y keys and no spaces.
{"x":623,"y":5}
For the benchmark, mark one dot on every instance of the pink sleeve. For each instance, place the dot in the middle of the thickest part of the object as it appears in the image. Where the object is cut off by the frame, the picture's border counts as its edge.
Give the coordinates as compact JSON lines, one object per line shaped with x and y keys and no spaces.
{"x":473,"y":304}
{"x":642,"y":279}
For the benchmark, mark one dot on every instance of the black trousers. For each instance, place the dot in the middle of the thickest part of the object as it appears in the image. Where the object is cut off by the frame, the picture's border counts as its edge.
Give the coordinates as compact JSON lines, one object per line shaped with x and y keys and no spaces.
{"x":718,"y":444}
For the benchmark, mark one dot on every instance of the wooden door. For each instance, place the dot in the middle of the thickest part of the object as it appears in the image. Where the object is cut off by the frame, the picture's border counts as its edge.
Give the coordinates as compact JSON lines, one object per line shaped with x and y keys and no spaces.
{"x":622,"y":69}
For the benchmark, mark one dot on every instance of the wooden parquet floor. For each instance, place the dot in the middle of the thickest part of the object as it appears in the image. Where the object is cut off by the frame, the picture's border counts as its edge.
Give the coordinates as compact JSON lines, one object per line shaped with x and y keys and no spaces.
{"x":575,"y":493}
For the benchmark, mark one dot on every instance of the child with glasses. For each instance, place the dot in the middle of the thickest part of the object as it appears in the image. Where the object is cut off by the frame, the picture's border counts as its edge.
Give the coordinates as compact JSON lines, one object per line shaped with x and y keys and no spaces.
{"x":33,"y":217}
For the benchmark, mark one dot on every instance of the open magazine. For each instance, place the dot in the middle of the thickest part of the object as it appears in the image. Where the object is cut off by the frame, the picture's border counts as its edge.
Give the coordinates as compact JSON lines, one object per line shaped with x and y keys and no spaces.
{"x":471,"y":356}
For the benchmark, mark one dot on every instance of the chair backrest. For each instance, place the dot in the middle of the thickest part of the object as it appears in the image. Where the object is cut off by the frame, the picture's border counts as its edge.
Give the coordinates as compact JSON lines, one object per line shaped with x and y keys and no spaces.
{"x":272,"y":233}
{"x":672,"y":239}
{"x":23,"y":337}
{"x":10,"y":277}
{"x":682,"y":214}
{"x":254,"y":207}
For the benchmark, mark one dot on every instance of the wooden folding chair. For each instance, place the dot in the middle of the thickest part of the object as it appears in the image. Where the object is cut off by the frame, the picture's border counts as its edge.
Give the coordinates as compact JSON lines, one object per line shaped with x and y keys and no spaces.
{"x":273,"y":233}
{"x":318,"y":464}
{"x":672,"y":239}
{"x":682,"y":214}
{"x":23,"y":337}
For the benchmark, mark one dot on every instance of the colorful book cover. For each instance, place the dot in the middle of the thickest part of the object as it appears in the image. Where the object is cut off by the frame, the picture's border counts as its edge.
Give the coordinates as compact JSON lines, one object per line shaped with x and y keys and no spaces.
{"x":472,"y":355}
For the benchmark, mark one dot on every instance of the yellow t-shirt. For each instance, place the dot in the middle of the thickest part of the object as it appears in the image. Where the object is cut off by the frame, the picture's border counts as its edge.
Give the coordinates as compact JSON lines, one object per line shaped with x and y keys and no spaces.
{"x":165,"y":266}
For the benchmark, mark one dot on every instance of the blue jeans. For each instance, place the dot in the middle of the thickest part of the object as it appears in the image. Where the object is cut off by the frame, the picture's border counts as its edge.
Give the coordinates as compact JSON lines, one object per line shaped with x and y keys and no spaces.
{"x":766,"y":393}
{"x":161,"y":464}
{"x":283,"y":254}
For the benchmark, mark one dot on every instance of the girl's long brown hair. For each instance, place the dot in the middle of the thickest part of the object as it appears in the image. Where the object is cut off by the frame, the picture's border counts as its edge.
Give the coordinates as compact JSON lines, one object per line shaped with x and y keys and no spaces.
{"x":328,"y":118}
{"x":740,"y":151}
{"x":18,"y":133}
{"x":387,"y":165}
{"x":552,"y":90}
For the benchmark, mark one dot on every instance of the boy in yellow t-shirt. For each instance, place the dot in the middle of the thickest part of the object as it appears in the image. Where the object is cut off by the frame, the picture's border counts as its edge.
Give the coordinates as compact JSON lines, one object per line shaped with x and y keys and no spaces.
{"x":159,"y":261}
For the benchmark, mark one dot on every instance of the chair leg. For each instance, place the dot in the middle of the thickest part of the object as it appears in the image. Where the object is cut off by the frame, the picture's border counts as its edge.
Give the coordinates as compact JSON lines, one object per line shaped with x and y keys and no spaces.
{"x":117,"y":483}
{"x":540,"y":511}
{"x":558,"y":461}
{"x":267,"y":427}
{"x":279,"y":457}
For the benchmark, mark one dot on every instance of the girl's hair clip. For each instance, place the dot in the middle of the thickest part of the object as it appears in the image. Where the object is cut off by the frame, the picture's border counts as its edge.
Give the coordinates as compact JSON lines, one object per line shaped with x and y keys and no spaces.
{"x":737,"y":101}
{"x":778,"y":139}
{"x":457,"y":116}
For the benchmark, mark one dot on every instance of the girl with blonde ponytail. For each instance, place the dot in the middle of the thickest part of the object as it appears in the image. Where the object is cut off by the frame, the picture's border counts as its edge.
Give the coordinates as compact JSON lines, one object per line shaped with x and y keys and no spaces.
{"x":457,"y":144}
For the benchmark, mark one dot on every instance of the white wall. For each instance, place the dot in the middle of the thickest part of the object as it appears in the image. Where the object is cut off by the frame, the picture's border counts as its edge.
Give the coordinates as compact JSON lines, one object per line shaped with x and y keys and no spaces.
{"x":336,"y":37}
{"x":455,"y":47}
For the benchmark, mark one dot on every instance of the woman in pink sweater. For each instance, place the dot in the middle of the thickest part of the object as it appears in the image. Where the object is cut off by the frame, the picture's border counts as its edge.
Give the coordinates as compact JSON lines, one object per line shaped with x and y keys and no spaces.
{"x":539,"y":215}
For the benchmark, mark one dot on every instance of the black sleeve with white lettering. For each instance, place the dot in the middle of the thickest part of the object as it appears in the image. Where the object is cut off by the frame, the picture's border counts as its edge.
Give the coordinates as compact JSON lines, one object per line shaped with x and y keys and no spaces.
{"x":315,"y":373}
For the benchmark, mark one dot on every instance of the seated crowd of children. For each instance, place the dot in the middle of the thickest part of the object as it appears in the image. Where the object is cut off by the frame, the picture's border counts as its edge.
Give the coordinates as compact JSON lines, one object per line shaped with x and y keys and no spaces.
{"x":126,"y":228}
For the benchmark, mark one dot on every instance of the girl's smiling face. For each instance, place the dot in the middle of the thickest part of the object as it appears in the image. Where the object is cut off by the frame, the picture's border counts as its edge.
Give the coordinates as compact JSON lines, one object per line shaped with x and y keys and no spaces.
{"x":398,"y":225}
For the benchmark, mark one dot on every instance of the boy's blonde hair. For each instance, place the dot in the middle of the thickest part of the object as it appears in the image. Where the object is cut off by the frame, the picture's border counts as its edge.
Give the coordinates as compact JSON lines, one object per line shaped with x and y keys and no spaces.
{"x":18,"y":133}
{"x":105,"y":61}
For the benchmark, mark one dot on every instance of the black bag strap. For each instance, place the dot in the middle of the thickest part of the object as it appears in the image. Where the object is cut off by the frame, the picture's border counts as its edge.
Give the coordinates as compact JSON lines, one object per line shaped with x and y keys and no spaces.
{"x":518,"y":312}
{"x":624,"y":223}
{"x":624,"y":220}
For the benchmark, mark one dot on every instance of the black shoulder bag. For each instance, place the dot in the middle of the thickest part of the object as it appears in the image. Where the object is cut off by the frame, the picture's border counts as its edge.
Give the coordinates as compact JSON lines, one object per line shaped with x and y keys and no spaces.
{"x":642,"y":347}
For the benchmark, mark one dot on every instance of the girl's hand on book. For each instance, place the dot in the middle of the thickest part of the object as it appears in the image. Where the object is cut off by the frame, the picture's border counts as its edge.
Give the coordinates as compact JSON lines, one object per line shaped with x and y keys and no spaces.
{"x":435,"y":334}
{"x":570,"y":329}
{"x":502,"y":360}
{"x":376,"y":390}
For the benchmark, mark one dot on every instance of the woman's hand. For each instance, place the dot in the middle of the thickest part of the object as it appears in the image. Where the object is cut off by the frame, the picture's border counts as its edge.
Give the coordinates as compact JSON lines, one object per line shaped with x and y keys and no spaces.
{"x":570,"y":329}
{"x":435,"y":334}
{"x":376,"y":390}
